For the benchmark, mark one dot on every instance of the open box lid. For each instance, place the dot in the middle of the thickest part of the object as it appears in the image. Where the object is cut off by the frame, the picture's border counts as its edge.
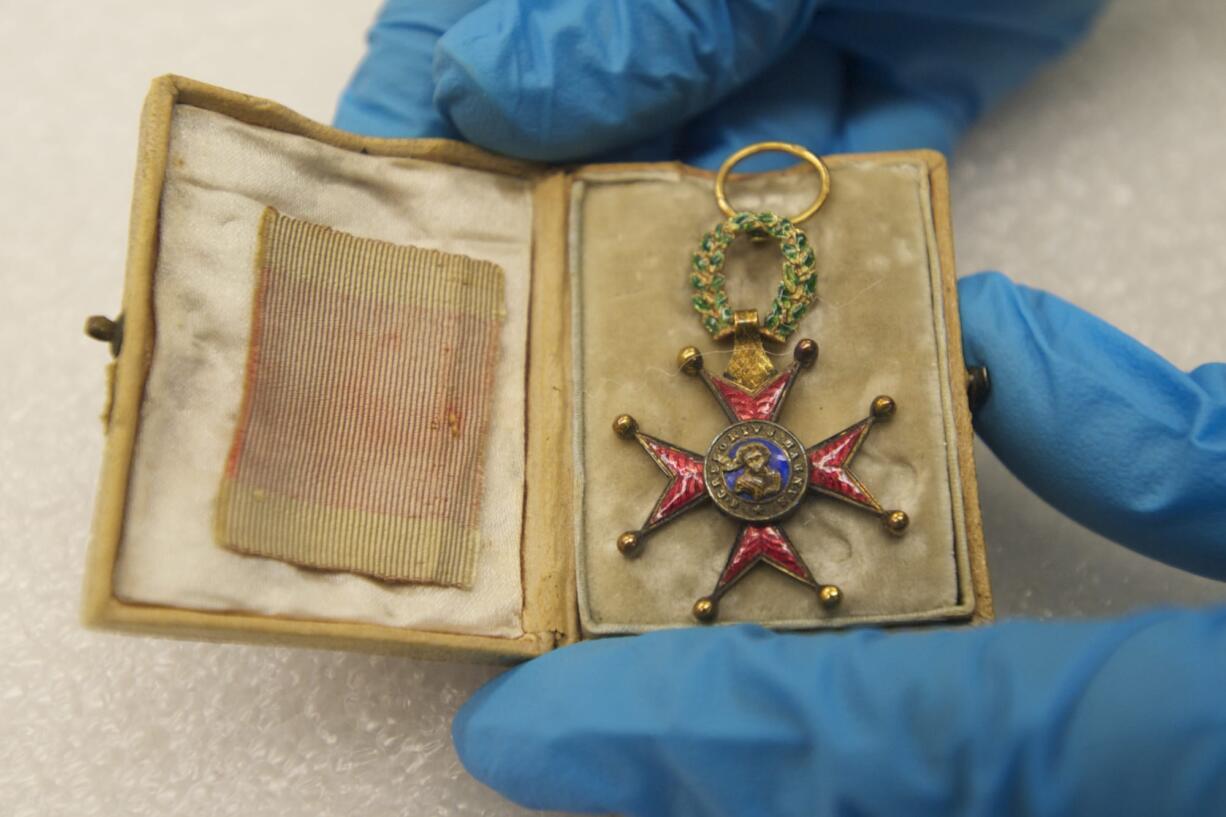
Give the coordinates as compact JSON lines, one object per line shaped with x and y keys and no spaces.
{"x":545,"y":585}
{"x":549,"y":474}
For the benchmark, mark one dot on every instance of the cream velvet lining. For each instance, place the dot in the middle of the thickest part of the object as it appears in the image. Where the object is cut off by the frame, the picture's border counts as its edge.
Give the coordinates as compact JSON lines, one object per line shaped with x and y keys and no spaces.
{"x":220,"y":175}
{"x":880,"y":327}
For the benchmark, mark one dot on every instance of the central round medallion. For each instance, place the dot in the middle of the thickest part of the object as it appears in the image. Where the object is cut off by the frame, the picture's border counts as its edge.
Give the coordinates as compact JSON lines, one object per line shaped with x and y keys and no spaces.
{"x":756,"y":471}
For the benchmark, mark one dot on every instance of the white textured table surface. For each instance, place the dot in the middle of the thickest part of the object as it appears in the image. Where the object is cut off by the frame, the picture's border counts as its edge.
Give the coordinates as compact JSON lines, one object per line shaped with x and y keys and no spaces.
{"x":1104,"y":182}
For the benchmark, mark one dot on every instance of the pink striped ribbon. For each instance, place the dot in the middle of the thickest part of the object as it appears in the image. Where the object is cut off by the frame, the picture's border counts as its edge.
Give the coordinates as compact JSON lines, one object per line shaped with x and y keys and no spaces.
{"x":361,"y":438}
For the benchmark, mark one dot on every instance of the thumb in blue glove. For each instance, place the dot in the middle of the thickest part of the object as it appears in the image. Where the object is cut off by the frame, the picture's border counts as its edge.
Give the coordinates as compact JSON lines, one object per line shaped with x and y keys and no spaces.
{"x":1108,"y":717}
{"x":618,"y":80}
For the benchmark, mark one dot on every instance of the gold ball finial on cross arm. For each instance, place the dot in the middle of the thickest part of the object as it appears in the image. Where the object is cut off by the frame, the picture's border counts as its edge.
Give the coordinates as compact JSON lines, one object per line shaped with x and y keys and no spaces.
{"x":805,"y":352}
{"x":883,"y":407}
{"x":625,"y":426}
{"x":829,"y":595}
{"x":689,"y":360}
{"x":705,"y":609}
{"x":628,"y":543}
{"x":895,"y":521}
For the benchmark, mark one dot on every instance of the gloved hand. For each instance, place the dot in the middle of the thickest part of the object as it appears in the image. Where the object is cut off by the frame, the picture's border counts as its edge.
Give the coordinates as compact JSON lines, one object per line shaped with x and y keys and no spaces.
{"x":1095,"y":717}
{"x":695,"y":80}
{"x":1073,"y":718}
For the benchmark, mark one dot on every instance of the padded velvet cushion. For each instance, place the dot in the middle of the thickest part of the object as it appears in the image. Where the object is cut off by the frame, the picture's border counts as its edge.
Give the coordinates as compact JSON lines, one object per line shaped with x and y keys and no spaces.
{"x":220,"y":176}
{"x":879,"y":327}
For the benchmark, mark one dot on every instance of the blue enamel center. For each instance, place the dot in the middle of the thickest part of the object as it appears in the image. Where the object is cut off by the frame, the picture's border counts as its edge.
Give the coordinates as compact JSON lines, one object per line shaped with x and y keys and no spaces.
{"x":763,"y":469}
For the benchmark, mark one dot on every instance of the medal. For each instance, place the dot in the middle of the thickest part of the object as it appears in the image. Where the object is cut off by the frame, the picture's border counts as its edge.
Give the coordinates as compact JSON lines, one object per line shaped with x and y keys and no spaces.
{"x":756,"y":471}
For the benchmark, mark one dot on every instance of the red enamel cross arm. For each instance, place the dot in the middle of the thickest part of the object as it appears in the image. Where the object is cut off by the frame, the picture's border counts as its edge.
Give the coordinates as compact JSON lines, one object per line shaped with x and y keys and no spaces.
{"x":762,"y":403}
{"x":686,"y":487}
{"x":762,"y":543}
{"x":828,"y":466}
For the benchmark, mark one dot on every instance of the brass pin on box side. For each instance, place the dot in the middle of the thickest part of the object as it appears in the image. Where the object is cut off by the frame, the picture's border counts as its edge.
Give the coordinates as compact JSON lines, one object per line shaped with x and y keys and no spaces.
{"x":102,"y":328}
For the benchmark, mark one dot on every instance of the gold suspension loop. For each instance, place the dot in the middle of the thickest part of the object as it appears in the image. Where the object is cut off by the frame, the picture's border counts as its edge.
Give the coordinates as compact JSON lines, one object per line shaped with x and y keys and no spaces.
{"x":721,"y":178}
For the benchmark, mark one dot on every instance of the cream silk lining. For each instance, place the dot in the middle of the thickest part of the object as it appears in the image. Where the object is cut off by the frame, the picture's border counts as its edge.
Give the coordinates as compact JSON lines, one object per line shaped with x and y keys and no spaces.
{"x":878,"y":322}
{"x":220,"y":176}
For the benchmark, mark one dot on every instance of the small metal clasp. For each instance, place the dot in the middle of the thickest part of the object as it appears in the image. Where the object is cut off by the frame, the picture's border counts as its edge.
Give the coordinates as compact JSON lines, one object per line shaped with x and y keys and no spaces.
{"x":749,"y":365}
{"x":100,"y":327}
{"x":978,"y":386}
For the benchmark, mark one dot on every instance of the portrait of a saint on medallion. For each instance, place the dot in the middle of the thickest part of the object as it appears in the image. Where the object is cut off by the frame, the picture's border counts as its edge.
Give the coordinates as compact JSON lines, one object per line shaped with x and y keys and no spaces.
{"x":758,"y":477}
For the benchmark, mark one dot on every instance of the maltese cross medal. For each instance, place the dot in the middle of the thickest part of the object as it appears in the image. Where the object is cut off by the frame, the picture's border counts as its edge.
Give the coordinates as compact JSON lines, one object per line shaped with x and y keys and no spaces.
{"x":756,"y":471}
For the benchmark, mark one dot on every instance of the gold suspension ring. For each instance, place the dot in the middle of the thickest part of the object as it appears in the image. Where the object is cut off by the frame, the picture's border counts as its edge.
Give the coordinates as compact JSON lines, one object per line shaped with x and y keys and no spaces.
{"x":721,"y":196}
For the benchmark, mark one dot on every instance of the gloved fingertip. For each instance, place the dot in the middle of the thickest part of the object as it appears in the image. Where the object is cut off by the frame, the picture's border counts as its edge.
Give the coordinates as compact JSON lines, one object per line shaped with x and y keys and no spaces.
{"x":486,"y":733}
{"x":1100,"y":426}
{"x":999,"y":331}
{"x":500,"y":97}
{"x":489,"y":108}
{"x":391,"y":93}
{"x":979,"y":299}
{"x":563,"y":80}
{"x":470,"y":727}
{"x":463,"y":728}
{"x":529,"y":733}
{"x":492,"y":83}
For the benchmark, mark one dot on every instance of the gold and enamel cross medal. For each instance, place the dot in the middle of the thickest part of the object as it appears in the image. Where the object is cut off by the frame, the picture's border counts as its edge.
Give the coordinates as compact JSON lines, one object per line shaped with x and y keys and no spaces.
{"x":756,"y":470}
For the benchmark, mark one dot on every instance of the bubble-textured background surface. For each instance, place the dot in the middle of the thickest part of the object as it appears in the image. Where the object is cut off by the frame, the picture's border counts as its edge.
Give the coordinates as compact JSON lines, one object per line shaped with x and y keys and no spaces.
{"x":1102,"y":181}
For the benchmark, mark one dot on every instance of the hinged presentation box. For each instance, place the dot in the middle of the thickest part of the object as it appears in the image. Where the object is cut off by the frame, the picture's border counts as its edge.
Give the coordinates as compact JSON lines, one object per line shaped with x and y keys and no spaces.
{"x":594,"y":306}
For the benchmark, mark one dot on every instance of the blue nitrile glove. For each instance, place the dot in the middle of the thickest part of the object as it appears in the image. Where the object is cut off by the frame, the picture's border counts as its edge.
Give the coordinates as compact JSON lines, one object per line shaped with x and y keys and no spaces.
{"x":697,"y":79}
{"x":1106,"y":717}
{"x":1072,"y":718}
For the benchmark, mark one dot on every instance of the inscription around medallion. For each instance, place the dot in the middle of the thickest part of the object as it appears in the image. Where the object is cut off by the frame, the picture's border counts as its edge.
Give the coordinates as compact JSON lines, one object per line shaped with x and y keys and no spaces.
{"x":756,"y":471}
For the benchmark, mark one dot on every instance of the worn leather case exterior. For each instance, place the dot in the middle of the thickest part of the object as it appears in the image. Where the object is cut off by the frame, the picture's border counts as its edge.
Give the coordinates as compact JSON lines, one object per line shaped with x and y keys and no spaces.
{"x":547,"y":548}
